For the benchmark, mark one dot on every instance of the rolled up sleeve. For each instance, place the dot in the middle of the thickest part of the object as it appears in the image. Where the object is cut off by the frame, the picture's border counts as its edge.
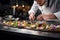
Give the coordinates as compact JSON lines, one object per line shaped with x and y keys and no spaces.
{"x":34,"y":8}
{"x":57,"y":14}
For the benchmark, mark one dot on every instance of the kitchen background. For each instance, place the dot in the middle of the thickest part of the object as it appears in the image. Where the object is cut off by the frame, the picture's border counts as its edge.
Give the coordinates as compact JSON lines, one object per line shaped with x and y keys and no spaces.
{"x":21,"y":8}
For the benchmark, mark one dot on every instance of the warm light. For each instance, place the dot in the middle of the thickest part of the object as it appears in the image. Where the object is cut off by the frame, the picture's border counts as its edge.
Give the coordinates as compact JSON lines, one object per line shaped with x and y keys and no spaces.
{"x":17,"y":5}
{"x":14,"y":6}
{"x":22,"y":5}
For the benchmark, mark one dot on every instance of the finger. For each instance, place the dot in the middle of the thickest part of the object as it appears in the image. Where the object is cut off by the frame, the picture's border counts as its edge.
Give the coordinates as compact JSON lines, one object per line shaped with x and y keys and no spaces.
{"x":29,"y":18}
{"x":33,"y":18}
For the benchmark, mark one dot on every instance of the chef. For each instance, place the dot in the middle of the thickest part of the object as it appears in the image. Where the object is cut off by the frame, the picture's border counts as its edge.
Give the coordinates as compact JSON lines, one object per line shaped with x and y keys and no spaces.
{"x":50,"y":9}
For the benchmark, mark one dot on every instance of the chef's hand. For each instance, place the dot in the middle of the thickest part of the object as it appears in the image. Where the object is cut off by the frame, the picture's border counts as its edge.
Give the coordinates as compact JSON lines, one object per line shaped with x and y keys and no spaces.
{"x":39,"y":17}
{"x":48,"y":16}
{"x":31,"y":17}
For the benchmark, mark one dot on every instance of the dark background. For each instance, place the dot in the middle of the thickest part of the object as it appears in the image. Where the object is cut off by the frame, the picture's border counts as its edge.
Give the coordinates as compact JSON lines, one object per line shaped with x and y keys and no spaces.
{"x":5,"y":6}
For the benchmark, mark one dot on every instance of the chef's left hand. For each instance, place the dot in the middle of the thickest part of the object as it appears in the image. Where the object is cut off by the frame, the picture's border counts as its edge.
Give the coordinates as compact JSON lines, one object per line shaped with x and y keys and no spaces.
{"x":49,"y":16}
{"x":39,"y":17}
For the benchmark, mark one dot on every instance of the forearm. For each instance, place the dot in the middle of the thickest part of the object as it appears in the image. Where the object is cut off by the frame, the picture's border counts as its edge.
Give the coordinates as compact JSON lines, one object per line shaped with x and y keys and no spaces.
{"x":34,"y":8}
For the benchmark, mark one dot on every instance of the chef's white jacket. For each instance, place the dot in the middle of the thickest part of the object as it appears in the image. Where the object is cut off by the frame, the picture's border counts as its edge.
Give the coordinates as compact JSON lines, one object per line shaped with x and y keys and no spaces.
{"x":45,"y":10}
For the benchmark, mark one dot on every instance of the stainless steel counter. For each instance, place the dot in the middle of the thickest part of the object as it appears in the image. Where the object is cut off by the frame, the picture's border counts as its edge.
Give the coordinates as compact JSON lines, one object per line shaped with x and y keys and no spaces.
{"x":37,"y":34}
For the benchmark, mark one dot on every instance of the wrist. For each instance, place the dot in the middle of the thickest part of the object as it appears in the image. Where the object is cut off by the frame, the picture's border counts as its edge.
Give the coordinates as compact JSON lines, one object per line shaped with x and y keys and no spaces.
{"x":32,"y":14}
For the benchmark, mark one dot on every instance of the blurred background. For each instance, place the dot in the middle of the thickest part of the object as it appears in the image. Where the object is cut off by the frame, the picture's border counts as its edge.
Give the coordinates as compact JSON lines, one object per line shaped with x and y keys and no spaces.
{"x":17,"y":8}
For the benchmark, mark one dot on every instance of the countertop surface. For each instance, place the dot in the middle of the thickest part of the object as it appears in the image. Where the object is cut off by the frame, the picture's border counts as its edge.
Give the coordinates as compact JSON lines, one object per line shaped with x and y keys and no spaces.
{"x":30,"y":32}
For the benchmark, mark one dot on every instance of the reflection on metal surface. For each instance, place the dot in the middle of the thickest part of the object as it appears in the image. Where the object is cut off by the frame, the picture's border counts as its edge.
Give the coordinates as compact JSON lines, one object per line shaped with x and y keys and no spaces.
{"x":31,"y":32}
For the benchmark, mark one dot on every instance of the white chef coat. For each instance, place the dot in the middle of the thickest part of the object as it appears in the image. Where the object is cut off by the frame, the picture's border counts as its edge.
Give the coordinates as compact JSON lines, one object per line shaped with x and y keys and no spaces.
{"x":43,"y":9}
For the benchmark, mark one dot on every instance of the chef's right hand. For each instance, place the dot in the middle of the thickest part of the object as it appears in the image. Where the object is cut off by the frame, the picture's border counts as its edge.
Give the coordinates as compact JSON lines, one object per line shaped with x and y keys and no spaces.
{"x":32,"y":17}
